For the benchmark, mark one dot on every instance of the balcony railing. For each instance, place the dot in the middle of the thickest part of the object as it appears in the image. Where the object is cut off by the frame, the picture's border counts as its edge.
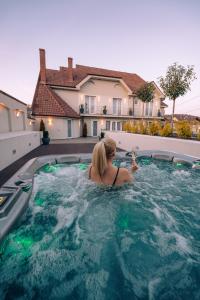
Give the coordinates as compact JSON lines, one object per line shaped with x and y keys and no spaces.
{"x":102,"y":110}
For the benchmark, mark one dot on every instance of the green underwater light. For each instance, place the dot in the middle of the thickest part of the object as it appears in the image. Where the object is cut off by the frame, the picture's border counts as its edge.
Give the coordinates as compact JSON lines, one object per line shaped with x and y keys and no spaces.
{"x":178,"y":164}
{"x":124,"y":223}
{"x":146,"y":161}
{"x":82,"y":166}
{"x":50,"y":168}
{"x":17,"y":245}
{"x":39,"y":201}
{"x":25,"y":242}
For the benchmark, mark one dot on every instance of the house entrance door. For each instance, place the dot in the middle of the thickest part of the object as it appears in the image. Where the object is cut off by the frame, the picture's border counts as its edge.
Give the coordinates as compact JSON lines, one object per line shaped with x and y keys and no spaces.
{"x":94,"y":128}
{"x":69,"y":128}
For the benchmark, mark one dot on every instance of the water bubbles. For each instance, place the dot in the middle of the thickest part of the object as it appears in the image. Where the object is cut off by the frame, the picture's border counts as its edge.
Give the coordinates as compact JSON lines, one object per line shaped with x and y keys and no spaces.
{"x":79,"y":240}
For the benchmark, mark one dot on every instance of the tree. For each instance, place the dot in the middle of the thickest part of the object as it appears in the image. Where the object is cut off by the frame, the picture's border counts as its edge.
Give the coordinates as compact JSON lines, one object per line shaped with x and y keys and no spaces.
{"x":42,"y":125}
{"x":177,"y":83}
{"x":146,"y":93}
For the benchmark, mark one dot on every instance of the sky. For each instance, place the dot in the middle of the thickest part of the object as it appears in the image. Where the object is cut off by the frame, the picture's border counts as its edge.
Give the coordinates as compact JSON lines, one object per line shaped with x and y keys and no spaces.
{"x":142,"y":37}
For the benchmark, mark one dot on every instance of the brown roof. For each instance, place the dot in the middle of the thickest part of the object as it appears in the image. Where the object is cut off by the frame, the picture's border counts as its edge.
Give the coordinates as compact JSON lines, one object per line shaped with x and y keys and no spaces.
{"x":59,"y":77}
{"x":47,"y":103}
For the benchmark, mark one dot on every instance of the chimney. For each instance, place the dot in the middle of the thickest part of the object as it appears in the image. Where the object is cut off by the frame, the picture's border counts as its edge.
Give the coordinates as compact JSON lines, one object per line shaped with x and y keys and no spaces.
{"x":69,"y":69}
{"x":42,"y":66}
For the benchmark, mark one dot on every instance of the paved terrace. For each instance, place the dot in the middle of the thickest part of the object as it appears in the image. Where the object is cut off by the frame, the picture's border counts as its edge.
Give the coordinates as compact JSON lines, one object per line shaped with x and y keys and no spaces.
{"x":84,"y":145}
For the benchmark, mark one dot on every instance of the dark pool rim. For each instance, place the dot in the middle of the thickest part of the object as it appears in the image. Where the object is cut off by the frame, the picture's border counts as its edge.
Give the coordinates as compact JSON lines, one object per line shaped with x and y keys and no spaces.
{"x":18,"y":188}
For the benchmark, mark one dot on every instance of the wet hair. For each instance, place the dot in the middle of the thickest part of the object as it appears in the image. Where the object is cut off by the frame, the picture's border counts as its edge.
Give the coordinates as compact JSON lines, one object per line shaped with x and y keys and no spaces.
{"x":103,"y":151}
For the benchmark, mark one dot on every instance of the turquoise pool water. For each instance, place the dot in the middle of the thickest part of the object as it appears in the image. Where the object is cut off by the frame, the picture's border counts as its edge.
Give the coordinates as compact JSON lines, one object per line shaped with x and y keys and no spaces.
{"x":80,"y":241}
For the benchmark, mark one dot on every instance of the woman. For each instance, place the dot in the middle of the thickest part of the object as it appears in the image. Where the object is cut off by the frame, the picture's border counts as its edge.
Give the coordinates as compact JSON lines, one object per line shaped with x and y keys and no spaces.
{"x":102,"y":170}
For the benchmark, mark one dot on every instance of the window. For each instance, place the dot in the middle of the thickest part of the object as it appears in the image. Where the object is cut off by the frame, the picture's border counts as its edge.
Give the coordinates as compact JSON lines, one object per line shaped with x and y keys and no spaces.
{"x":148,"y":108}
{"x":117,"y":106}
{"x":118,"y":125}
{"x":90,"y":104}
{"x":136,"y":101}
{"x":107,"y":125}
{"x":113,"y":126}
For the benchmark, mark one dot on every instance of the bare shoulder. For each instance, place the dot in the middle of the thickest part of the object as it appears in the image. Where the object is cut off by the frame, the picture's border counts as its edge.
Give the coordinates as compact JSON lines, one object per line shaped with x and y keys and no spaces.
{"x":125,"y":174}
{"x":123,"y":171}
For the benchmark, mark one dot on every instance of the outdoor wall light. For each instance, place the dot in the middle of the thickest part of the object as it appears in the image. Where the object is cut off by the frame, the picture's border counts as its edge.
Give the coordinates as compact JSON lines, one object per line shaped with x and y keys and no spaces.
{"x":50,"y":122}
{"x":102,"y":122}
{"x":17,"y":113}
{"x":30,"y":123}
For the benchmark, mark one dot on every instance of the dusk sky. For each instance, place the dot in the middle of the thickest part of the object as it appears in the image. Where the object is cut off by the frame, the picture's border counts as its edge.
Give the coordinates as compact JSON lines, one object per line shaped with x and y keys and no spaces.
{"x":142,"y":37}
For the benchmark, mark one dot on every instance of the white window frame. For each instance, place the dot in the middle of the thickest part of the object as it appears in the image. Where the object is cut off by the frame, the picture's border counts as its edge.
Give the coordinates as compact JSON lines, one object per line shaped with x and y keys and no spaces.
{"x":120,"y":126}
{"x":113,"y":122}
{"x":109,"y":125}
{"x":148,"y":109}
{"x":118,"y":106}
{"x":90,"y":99}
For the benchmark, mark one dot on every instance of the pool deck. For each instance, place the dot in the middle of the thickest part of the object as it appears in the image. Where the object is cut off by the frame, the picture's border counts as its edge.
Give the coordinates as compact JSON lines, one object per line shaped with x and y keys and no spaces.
{"x":57,"y":148}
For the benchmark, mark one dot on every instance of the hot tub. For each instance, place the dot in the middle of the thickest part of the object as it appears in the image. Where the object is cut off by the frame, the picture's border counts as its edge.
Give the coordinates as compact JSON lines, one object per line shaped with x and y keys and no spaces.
{"x":77,"y":240}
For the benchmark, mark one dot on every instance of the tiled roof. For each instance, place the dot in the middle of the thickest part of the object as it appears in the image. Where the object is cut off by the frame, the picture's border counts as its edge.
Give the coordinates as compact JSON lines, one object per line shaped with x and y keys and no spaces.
{"x":47,"y":103}
{"x":59,"y":77}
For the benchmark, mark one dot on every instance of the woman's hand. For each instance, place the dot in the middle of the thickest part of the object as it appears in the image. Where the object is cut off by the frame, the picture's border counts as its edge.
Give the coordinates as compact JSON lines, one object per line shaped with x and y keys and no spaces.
{"x":134,"y":166}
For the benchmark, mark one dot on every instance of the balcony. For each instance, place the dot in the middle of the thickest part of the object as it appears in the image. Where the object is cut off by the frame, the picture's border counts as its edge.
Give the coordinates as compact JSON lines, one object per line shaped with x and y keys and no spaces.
{"x":102,"y":110}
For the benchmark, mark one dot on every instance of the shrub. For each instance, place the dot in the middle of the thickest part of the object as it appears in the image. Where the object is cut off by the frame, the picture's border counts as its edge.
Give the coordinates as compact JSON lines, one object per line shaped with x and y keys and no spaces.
{"x":198,"y":135}
{"x":134,"y":128}
{"x":154,"y":128}
{"x":166,"y":130}
{"x":142,"y":128}
{"x":84,"y":130}
{"x":42,"y":125}
{"x":127,"y":126}
{"x":183,"y":129}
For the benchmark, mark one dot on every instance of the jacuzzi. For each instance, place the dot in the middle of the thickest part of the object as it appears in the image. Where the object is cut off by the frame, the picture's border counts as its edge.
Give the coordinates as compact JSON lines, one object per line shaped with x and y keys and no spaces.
{"x":63,"y":237}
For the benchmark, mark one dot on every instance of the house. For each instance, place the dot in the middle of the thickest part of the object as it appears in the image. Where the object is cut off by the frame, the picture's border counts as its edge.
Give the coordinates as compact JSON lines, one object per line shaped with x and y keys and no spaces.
{"x":16,"y":135}
{"x":13,"y":113}
{"x":103,"y":99}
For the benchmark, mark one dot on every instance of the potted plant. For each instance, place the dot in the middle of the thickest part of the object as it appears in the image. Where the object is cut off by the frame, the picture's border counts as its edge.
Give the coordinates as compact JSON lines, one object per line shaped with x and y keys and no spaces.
{"x":104,"y":110}
{"x":81,"y":108}
{"x":130,"y":112}
{"x":45,"y":138}
{"x":102,"y":135}
{"x":159,"y":113}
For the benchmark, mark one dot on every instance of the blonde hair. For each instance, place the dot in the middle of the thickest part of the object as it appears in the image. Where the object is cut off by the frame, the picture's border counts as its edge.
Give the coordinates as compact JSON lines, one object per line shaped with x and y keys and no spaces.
{"x":103,"y":150}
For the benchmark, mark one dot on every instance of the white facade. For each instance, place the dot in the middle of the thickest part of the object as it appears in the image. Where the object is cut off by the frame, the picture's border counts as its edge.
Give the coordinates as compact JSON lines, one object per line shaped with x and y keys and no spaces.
{"x":14,"y":145}
{"x":96,"y":94}
{"x":15,"y":138}
{"x":13,"y":114}
{"x":60,"y":127}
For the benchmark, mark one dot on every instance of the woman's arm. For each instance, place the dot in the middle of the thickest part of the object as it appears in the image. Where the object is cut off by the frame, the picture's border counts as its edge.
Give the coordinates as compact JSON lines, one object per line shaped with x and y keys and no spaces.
{"x":134,"y":166}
